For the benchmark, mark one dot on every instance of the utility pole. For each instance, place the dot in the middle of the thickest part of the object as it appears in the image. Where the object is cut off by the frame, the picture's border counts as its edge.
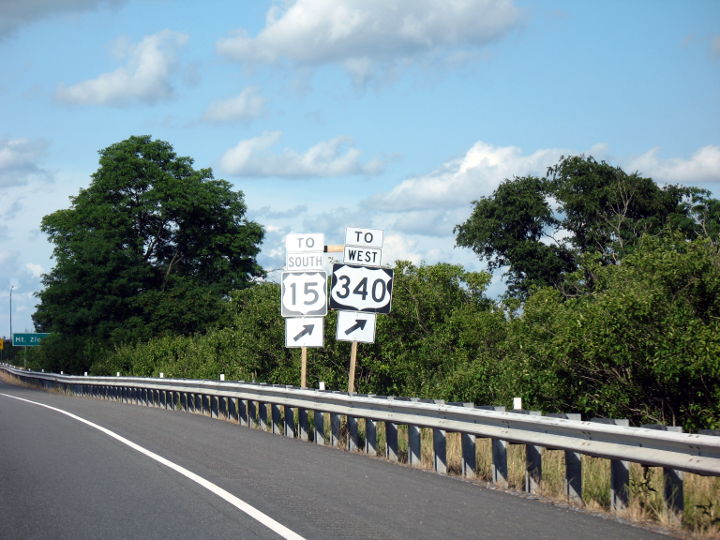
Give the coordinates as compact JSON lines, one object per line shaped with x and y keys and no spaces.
{"x":11,"y":290}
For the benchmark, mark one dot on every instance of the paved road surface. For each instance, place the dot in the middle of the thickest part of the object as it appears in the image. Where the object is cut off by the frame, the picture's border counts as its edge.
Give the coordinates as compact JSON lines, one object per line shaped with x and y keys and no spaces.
{"x":60,"y":478}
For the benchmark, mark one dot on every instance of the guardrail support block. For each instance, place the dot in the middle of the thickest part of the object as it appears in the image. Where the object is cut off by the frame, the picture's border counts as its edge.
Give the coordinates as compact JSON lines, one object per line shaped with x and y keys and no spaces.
{"x":303,"y":424}
{"x":253,"y":414}
{"x":391,"y":441}
{"x":371,"y":437}
{"x":499,"y":462}
{"x":674,"y":491}
{"x":440,"y":451}
{"x":619,"y":471}
{"x":243,"y":413}
{"x":469,"y":457}
{"x":263,"y":415}
{"x":319,"y":421}
{"x":277,"y":428}
{"x":414,"y":446}
{"x":335,"y":434}
{"x":353,"y":437}
{"x":289,"y":421}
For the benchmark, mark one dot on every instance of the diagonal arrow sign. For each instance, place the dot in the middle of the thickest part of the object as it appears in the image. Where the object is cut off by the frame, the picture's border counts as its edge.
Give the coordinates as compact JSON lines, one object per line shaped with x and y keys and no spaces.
{"x":307,"y":330}
{"x":359,"y":325}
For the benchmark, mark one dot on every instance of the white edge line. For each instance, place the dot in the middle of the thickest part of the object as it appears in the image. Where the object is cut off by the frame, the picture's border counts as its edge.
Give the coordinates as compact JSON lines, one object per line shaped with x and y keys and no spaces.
{"x":238,"y":503}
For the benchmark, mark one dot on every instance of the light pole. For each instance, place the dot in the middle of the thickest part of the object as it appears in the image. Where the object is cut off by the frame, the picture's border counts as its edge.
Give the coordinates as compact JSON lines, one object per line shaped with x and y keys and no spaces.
{"x":11,"y":290}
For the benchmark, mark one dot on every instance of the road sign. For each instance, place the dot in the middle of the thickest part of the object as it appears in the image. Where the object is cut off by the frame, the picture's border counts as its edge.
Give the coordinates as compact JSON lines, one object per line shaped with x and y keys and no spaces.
{"x":304,"y":331}
{"x":366,"y":256}
{"x":371,"y":238}
{"x":361,"y":288}
{"x":28,"y":340}
{"x":2,"y":344}
{"x":303,"y":294}
{"x":304,"y":261}
{"x":356,"y":326}
{"x":304,"y":243}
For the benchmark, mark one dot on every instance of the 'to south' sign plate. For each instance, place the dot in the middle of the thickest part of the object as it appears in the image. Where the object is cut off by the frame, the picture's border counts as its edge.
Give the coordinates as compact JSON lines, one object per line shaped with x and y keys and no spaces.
{"x":361,"y":288}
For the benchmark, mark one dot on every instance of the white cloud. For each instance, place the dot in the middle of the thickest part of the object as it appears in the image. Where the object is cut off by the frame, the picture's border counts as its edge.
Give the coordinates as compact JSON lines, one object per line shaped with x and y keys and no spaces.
{"x":703,"y":166}
{"x":35,"y":269}
{"x":146,"y":76}
{"x":247,"y":105}
{"x":460,"y":181}
{"x":335,"y":157}
{"x":19,"y":161}
{"x":357,"y":33}
{"x":19,"y":13}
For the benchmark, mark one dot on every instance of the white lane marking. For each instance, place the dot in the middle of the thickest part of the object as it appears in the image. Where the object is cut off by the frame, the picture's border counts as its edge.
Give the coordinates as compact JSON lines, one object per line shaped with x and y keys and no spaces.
{"x":238,"y":503}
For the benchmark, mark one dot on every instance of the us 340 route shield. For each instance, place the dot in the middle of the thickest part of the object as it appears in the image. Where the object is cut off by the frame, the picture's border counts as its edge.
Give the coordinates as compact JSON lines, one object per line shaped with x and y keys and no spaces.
{"x":361,"y":288}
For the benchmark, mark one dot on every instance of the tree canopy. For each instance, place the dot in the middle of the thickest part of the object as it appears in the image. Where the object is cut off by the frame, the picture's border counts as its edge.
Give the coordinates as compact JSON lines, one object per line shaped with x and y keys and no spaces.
{"x":151,"y":245}
{"x":540,"y":228}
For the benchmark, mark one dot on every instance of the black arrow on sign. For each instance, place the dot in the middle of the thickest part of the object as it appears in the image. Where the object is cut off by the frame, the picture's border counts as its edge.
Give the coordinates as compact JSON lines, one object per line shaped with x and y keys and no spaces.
{"x":359,"y":324}
{"x":307,"y":329}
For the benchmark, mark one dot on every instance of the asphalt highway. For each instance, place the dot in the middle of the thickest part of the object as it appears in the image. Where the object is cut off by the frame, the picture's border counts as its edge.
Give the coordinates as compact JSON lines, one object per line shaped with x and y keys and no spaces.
{"x":62,"y":477}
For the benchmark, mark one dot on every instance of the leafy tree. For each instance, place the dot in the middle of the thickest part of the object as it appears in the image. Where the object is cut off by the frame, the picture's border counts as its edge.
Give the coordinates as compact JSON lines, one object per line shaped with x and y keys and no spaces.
{"x":540,"y":228}
{"x":644,"y":345}
{"x":152,"y":245}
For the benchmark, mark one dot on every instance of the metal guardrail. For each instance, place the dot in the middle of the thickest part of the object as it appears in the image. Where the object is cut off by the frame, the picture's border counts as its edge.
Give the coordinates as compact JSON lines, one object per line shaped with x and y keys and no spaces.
{"x":247,"y":403}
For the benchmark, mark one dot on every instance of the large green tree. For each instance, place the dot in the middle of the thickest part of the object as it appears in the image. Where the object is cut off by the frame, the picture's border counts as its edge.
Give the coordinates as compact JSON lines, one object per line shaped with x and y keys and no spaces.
{"x":540,"y":228}
{"x":151,"y":246}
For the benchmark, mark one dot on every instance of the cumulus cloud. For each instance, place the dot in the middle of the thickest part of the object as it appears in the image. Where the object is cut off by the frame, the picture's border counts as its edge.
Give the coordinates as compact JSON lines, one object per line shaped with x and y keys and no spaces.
{"x":146,"y":76}
{"x":19,"y":161}
{"x":702,"y":166}
{"x":357,"y":33}
{"x":16,"y":14}
{"x":459,"y":181}
{"x":335,"y":157}
{"x":35,"y":269}
{"x":245,"y":106}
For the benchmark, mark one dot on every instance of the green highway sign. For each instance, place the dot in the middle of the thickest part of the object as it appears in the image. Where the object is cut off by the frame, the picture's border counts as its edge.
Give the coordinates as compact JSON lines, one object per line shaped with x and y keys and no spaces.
{"x":28,"y":340}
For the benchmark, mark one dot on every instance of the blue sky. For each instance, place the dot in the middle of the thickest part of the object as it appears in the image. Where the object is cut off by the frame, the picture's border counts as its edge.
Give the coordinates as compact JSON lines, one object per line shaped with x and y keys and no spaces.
{"x":387,"y":114}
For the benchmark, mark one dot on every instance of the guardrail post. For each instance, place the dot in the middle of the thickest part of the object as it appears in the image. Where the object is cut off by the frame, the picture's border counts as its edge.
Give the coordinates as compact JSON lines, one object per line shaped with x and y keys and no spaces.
{"x":391,"y":441}
{"x":573,"y":465}
{"x":673,"y":479}
{"x":414,"y":446}
{"x":214,"y":406}
{"x":335,"y":430}
{"x":468,"y":444}
{"x":243,"y":412}
{"x":319,"y":421}
{"x":353,"y":438}
{"x":619,"y":471}
{"x":440,"y":450}
{"x":303,"y":424}
{"x":225,"y":407}
{"x":289,"y":421}
{"x":263,"y":415}
{"x":371,"y":437}
{"x":533,"y":462}
{"x":499,"y":462}
{"x":232,"y":412}
{"x":440,"y":447}
{"x":276,"y":422}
